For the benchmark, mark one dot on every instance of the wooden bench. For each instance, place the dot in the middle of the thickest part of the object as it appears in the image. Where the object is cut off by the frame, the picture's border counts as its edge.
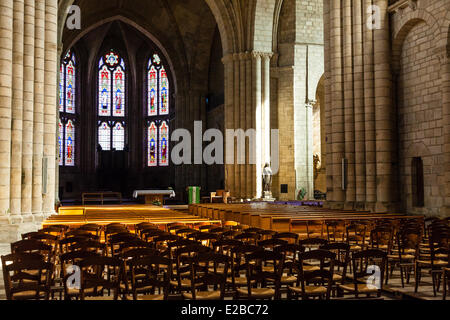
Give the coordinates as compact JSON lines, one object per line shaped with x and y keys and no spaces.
{"x":101,"y":197}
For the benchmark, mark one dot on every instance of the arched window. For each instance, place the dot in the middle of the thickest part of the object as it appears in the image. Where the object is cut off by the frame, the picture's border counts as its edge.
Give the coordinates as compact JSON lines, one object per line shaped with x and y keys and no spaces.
{"x":67,"y":110}
{"x":158,"y":109}
{"x":111,"y":102}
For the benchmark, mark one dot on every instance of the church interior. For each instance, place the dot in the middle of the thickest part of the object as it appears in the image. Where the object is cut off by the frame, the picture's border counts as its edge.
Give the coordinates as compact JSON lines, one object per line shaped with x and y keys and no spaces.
{"x":224,"y":149}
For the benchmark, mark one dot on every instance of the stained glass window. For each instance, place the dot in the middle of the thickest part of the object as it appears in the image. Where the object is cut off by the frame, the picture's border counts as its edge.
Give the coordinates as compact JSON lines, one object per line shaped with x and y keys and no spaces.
{"x":164,"y":94}
{"x":112,"y":101}
{"x":67,"y":109}
{"x":60,"y":142}
{"x":158,"y":110}
{"x":118,"y":137}
{"x":104,"y":136}
{"x":152,"y":145}
{"x":164,"y":144}
{"x":152,"y":92}
{"x":70,"y":142}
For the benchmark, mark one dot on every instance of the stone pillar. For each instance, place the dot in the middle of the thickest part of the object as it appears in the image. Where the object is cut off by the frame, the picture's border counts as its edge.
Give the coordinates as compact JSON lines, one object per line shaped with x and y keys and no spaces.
{"x":266,"y":107}
{"x":328,"y":100}
{"x":51,"y":70}
{"x":257,"y":102}
{"x":349,"y":123}
{"x":358,"y":95}
{"x":236,"y":84}
{"x":250,"y":174}
{"x":17,"y":112}
{"x":384,"y":112}
{"x":38,"y":130}
{"x":6,"y":59}
{"x":228,"y":114}
{"x":337,"y":114}
{"x":369,"y":112}
{"x":28,"y":87}
{"x":242,"y":168}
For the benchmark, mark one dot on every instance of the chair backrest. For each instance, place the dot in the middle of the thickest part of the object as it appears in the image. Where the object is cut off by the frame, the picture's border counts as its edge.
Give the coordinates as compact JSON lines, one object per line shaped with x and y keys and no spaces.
{"x":312,"y":242}
{"x":382,"y":237}
{"x":289,"y":236}
{"x":407,"y":239}
{"x":146,"y":275}
{"x":342,"y":252}
{"x":93,"y":277}
{"x":34,"y":246}
{"x":89,"y":245}
{"x":356,"y":233}
{"x":323,"y":276}
{"x":26,"y":278}
{"x":271,"y":243}
{"x":258,"y":275}
{"x":369,"y":262}
{"x":204,"y":272}
{"x":248,"y":237}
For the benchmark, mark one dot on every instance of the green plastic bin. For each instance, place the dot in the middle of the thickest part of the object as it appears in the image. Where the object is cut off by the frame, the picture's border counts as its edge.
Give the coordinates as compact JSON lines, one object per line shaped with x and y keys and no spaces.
{"x":193,"y":194}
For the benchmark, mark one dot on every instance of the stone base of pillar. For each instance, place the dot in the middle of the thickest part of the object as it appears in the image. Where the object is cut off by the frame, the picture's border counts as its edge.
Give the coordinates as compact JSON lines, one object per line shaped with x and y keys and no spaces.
{"x":349,"y":205}
{"x":335,"y":205}
{"x":16,"y":219}
{"x":384,"y":207}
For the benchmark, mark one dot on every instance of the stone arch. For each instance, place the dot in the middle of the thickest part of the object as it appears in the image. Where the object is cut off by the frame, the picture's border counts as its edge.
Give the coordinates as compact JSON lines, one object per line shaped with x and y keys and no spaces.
{"x":263,"y":25}
{"x":218,"y":9}
{"x":276,"y":23}
{"x":129,"y":21}
{"x":404,"y":26}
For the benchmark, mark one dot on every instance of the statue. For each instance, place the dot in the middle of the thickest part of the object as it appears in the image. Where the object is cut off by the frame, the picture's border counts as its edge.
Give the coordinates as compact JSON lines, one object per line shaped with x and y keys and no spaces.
{"x":267,"y":180}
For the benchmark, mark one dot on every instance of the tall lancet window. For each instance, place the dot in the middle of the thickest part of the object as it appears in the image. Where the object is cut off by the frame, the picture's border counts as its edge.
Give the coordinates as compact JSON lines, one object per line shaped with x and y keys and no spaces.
{"x":67,"y":110}
{"x":158,"y":110}
{"x":112,"y":102}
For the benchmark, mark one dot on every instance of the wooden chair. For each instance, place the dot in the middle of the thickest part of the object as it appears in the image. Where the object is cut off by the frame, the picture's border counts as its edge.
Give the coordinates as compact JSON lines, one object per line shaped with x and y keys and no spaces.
{"x":335,"y":231}
{"x":446,"y":282}
{"x":94,"y":280}
{"x":238,"y":265}
{"x":182,"y":257}
{"x":208,"y":269}
{"x":342,"y":252}
{"x":438,"y":258}
{"x":248,"y":237}
{"x":322,"y":278}
{"x":356,"y":236}
{"x":290,"y":254}
{"x":69,"y":266}
{"x":26,"y":278}
{"x":150,"y":278}
{"x":406,"y":253}
{"x":258,"y":279}
{"x":363,"y":262}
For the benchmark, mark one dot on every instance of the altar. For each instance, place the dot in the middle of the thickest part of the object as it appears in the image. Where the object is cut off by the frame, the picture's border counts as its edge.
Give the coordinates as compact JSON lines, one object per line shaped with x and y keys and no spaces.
{"x":154,"y":195}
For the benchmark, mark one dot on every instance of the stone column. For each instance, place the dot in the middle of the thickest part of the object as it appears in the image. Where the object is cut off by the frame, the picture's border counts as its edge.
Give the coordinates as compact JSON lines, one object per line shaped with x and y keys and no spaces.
{"x":328,"y":100}
{"x":28,"y":88}
{"x":266,"y":107}
{"x":228,"y":114}
{"x":349,"y":123}
{"x":242,"y":168}
{"x":257,"y":109}
{"x":51,"y":70}
{"x":17,"y":112}
{"x":38,"y":130}
{"x":384,"y":112}
{"x":236,"y":80}
{"x":6,"y":59}
{"x":337,"y":114}
{"x":250,"y":174}
{"x":369,"y":111}
{"x":358,"y":95}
